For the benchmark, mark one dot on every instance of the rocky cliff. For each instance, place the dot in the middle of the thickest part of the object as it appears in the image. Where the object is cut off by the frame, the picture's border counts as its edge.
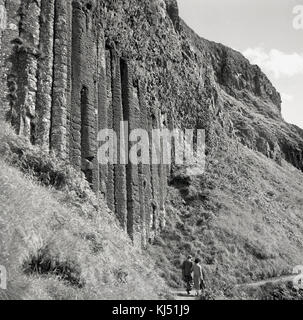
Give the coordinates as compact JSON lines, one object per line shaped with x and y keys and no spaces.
{"x":70,"y":68}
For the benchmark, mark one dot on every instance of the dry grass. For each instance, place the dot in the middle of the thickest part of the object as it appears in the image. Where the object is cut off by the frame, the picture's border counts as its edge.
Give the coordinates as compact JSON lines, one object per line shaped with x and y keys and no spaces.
{"x":57,"y":245}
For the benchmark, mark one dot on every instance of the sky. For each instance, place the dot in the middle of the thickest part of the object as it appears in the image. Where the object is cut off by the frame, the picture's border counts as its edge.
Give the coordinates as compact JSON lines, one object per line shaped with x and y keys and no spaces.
{"x":264,"y":31}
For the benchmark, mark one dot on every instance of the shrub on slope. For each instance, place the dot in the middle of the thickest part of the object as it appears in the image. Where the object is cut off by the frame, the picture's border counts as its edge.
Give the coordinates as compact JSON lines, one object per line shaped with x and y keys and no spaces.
{"x":243,"y":217}
{"x":63,"y":243}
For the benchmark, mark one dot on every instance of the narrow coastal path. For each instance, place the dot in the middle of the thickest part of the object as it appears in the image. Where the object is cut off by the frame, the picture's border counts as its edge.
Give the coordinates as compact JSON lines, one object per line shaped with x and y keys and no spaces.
{"x":181,"y":294}
{"x":266,"y":281}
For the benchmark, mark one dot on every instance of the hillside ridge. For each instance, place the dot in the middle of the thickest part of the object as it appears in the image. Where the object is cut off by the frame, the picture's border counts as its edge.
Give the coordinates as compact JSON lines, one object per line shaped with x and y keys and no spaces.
{"x":70,"y":68}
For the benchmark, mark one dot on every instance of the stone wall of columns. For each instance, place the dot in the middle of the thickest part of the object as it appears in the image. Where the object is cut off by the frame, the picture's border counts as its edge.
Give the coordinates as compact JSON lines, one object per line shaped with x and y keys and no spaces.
{"x":61,"y":83}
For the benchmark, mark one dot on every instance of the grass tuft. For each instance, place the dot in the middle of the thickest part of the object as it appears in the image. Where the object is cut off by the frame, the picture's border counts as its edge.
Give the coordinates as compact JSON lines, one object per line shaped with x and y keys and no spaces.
{"x":57,"y":239}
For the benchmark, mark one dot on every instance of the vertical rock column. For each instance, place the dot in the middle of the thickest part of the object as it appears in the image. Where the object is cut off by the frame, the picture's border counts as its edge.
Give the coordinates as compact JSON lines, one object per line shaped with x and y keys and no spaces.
{"x":78,"y":25}
{"x":84,"y":100}
{"x":110,"y":183}
{"x":9,"y":78}
{"x":158,"y":178}
{"x":69,"y":75}
{"x":89,"y":105}
{"x":3,"y":19}
{"x":119,"y":168}
{"x":9,"y":20}
{"x":102,"y":105}
{"x":25,"y":65}
{"x":58,"y":138}
{"x":163,"y":168}
{"x":155,"y":181}
{"x":45,"y":74}
{"x":142,"y":214}
{"x":86,"y":147}
{"x":145,"y":171}
{"x":131,"y":111}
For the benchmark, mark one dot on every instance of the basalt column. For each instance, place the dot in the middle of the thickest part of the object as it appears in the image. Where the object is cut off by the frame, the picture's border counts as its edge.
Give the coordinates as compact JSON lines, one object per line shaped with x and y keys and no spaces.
{"x":144,"y":176}
{"x":45,"y":74}
{"x":159,"y":173}
{"x":119,"y":168}
{"x":145,"y":172}
{"x":24,"y":69}
{"x":155,"y":181}
{"x":131,"y":112}
{"x":78,"y":25}
{"x":110,"y":183}
{"x":69,"y":27}
{"x":3,"y":90}
{"x":60,"y":75}
{"x":84,"y":109}
{"x":86,"y":154}
{"x":163,"y":169}
{"x":9,"y":30}
{"x":102,"y":107}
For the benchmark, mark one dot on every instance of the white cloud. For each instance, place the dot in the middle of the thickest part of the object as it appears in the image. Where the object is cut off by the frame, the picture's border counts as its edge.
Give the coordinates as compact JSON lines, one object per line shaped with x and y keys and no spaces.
{"x":287,"y":97}
{"x":275,"y":62}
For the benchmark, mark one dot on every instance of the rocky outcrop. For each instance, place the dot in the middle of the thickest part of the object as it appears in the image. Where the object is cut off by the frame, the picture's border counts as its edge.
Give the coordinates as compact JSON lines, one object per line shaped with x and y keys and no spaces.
{"x":173,"y":12}
{"x":70,"y":68}
{"x":235,"y":74}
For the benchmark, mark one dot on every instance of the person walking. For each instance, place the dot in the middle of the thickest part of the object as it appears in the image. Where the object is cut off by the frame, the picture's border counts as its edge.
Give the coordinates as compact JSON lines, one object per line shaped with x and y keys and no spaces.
{"x":198,"y":277}
{"x":187,"y":271}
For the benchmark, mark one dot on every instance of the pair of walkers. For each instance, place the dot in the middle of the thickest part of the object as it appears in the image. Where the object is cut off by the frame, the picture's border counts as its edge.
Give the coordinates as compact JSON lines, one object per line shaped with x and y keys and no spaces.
{"x":193,"y":275}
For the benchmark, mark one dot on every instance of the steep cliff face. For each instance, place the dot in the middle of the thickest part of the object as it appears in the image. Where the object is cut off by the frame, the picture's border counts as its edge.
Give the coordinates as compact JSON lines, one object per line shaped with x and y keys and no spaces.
{"x":71,"y":68}
{"x":63,"y":81}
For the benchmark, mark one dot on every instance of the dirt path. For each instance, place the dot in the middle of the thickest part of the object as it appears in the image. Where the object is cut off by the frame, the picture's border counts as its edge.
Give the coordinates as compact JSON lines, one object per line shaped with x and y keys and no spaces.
{"x":271,"y":280}
{"x":182,"y":295}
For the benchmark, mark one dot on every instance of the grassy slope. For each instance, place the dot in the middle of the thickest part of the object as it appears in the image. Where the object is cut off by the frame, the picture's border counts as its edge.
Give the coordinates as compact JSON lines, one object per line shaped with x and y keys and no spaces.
{"x":244,"y":217}
{"x":277,"y":291}
{"x":56,"y":245}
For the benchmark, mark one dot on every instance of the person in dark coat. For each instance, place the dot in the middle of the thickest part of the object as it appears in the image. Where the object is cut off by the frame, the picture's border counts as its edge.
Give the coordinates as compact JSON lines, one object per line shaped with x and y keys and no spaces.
{"x":187,"y":273}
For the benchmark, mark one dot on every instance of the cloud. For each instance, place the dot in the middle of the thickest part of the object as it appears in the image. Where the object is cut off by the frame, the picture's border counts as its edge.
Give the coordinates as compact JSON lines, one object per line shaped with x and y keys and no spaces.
{"x":275,"y":62}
